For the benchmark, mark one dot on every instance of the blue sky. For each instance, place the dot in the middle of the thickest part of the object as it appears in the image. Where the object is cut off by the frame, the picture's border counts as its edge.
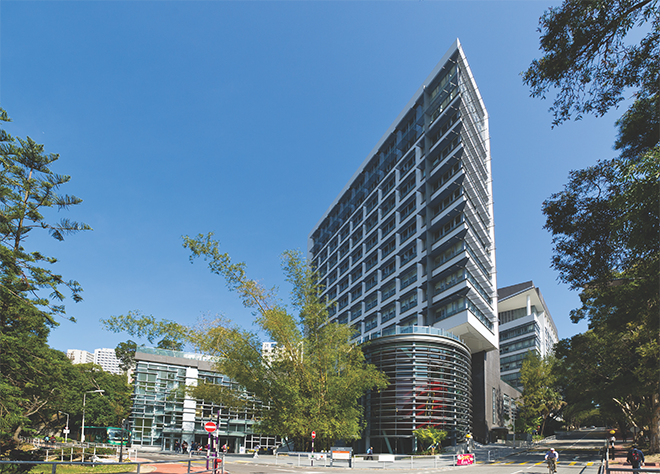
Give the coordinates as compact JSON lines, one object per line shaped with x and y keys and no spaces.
{"x":247,"y":119}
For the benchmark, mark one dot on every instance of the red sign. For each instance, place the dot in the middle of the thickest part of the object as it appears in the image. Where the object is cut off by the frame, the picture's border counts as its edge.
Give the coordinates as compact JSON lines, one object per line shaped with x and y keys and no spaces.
{"x":210,"y":426}
{"x":313,"y":434}
{"x":464,"y":459}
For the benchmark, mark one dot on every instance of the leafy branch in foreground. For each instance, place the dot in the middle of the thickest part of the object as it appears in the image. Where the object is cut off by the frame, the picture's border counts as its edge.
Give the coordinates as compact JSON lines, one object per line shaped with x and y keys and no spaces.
{"x":314,"y":378}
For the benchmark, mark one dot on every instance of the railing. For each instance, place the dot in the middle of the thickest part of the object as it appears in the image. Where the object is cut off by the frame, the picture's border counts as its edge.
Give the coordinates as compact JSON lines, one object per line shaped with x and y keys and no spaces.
{"x":217,"y":466}
{"x":419,"y":330}
{"x":85,"y":449}
{"x":361,"y":461}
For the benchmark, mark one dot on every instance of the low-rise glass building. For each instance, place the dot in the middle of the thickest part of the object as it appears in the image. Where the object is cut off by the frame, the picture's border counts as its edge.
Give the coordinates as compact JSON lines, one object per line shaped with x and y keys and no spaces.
{"x":163,"y":414}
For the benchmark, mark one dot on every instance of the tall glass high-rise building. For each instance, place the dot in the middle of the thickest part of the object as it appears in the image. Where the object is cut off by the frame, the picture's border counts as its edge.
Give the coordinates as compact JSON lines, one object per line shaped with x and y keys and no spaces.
{"x":406,"y":255}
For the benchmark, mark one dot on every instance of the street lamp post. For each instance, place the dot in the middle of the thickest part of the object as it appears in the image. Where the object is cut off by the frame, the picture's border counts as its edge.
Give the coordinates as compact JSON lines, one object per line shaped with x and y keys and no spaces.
{"x":66,"y":430}
{"x":82,"y":433}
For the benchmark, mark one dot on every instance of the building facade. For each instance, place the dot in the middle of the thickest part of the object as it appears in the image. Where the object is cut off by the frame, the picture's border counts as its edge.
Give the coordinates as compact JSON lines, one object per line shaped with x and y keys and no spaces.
{"x":525,"y":324}
{"x":409,"y":241}
{"x":163,"y":413}
{"x":107,"y":359}
{"x":78,"y":356}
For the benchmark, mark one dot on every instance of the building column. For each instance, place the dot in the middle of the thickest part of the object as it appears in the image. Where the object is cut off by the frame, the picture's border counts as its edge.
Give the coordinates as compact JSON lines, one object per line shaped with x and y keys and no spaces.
{"x":529,"y":305}
{"x":189,"y":408}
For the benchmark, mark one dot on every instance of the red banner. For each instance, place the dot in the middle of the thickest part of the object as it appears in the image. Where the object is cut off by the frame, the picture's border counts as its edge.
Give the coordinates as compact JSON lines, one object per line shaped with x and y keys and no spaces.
{"x":464,"y":459}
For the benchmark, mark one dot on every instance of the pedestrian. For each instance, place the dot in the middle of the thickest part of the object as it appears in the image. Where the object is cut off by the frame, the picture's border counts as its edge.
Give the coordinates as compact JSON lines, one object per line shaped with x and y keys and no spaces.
{"x":370,"y":454}
{"x":177,"y":446}
{"x":635,"y":457}
{"x":184,"y":447}
{"x":256,"y":451}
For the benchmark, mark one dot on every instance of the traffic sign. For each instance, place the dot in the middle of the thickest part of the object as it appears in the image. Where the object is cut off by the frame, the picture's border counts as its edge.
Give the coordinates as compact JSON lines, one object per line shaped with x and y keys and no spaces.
{"x":210,"y":426}
{"x":313,"y":434}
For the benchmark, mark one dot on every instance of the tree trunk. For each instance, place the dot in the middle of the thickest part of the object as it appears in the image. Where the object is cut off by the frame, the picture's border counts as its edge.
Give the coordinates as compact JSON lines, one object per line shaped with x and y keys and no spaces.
{"x":654,"y":435}
{"x":17,"y":433}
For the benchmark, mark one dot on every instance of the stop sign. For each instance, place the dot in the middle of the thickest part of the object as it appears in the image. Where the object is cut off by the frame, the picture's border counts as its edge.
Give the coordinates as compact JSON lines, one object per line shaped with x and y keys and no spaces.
{"x":210,"y":426}
{"x":313,"y":434}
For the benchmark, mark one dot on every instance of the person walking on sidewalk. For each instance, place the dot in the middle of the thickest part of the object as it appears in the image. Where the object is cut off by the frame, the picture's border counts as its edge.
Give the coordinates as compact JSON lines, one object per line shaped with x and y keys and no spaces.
{"x":635,"y":457}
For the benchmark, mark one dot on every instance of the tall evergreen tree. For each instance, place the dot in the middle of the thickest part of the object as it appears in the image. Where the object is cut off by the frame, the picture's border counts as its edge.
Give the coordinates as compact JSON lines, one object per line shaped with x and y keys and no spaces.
{"x":31,"y":293}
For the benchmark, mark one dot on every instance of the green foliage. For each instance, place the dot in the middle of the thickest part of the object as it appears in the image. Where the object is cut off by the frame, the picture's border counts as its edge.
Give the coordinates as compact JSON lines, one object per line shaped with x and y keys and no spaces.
{"x":28,"y":187}
{"x":31,"y":294}
{"x":541,"y":398}
{"x":314,"y":378}
{"x":311,"y":382}
{"x":606,"y":225}
{"x":138,"y":325}
{"x":102,"y":409}
{"x":431,"y":436}
{"x":125,"y":352}
{"x":606,"y":221}
{"x":590,"y":59}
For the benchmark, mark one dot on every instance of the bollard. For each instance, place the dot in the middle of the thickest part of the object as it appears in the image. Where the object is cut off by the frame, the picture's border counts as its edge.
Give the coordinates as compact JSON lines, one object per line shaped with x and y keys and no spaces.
{"x":189,"y":461}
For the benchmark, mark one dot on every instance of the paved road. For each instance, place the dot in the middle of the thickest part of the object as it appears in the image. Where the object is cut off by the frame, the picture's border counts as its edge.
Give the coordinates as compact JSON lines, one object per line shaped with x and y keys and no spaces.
{"x":572,"y":461}
{"x":579,"y":455}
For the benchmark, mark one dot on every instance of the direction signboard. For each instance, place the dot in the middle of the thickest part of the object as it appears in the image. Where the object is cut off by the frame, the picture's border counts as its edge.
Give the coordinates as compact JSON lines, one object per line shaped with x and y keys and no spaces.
{"x":210,"y":426}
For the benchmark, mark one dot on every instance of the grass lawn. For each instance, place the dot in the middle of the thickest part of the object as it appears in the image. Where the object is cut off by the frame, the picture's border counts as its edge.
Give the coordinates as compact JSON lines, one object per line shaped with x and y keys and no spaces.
{"x":71,"y":469}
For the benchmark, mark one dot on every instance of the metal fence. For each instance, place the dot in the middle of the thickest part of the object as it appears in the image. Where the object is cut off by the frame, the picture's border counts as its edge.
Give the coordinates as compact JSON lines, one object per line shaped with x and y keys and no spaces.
{"x":324,"y":459}
{"x":215,"y":467}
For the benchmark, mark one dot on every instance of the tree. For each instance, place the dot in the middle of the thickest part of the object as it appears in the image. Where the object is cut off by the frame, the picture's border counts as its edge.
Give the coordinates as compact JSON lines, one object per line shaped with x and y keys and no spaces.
{"x":605,"y":227}
{"x":540,"y":395}
{"x":125,"y":352}
{"x":430,"y":435}
{"x":589,"y":59}
{"x":313,"y":379}
{"x":172,"y":334}
{"x":599,"y":367}
{"x":31,"y":294}
{"x":108,"y":408}
{"x":606,"y":222}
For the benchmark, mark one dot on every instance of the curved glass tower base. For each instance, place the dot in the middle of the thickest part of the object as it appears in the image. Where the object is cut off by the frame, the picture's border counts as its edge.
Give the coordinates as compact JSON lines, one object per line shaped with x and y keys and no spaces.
{"x":430,"y":386}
